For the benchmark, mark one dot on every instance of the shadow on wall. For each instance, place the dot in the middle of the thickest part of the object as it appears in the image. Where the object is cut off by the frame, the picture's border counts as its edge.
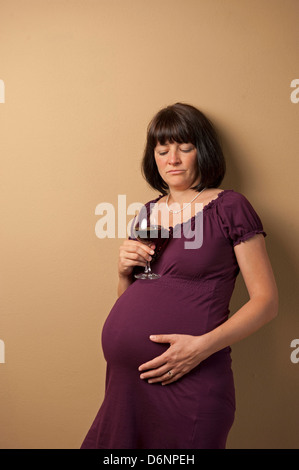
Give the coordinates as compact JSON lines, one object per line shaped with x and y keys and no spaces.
{"x":267,"y":415}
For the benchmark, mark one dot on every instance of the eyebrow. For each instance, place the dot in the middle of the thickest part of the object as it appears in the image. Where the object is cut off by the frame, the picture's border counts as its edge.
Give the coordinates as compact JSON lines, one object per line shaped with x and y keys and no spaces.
{"x":159,"y":146}
{"x":167,"y":144}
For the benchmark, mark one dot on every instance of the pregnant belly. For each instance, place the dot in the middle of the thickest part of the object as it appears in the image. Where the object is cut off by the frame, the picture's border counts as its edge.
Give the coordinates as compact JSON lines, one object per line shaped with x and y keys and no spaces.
{"x":152,"y":307}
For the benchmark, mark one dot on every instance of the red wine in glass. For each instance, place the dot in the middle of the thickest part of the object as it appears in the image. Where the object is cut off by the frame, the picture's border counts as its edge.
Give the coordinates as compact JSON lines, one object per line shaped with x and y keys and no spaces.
{"x":149,"y":232}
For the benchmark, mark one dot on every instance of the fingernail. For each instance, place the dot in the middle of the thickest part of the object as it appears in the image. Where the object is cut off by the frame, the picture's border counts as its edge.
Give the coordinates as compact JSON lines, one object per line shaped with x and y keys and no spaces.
{"x":152,"y":252}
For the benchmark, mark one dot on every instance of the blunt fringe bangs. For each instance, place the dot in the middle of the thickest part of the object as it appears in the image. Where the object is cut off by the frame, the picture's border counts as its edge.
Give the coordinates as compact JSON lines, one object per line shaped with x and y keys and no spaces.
{"x":184,"y":123}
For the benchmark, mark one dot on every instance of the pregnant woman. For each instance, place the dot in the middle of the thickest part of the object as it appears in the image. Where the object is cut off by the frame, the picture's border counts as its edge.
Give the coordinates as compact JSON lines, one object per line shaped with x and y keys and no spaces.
{"x":169,"y":382}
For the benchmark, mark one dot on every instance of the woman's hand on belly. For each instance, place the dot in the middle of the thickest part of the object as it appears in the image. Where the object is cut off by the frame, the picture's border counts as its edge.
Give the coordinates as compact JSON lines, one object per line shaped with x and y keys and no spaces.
{"x":185,"y":353}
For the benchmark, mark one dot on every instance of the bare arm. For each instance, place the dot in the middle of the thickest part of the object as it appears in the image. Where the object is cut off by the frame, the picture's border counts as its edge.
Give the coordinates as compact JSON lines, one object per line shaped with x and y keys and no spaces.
{"x":262,"y":306}
{"x":186,"y":352}
{"x":123,"y":283}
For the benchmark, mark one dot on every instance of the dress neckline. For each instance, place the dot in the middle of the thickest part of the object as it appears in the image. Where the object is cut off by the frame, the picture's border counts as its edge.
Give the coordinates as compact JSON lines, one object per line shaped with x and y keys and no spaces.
{"x":206,"y":207}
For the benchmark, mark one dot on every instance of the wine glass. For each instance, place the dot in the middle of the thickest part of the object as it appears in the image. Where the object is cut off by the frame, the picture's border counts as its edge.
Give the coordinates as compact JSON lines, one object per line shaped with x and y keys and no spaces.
{"x":147,"y":230}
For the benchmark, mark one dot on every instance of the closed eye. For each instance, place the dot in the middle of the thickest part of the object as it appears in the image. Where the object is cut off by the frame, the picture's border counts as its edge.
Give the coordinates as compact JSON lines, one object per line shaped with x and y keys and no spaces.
{"x":184,"y":150}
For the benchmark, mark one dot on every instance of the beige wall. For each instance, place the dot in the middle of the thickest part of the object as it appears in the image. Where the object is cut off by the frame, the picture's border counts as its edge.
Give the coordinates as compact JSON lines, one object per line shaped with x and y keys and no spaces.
{"x":82,"y":79}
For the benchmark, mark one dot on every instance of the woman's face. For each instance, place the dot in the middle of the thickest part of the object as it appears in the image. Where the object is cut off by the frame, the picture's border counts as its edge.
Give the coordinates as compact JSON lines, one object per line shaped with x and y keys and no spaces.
{"x":177,"y":164}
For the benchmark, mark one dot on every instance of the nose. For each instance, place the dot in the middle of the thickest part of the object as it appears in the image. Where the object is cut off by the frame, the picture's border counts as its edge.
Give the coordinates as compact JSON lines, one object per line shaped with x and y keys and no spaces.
{"x":173,"y":156}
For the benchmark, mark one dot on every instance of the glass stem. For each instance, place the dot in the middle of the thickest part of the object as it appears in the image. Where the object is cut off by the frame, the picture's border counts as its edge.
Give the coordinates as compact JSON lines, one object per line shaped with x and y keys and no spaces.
{"x":148,"y":268}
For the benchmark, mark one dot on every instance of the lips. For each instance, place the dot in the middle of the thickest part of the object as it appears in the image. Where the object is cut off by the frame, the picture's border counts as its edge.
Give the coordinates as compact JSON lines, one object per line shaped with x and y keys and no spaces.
{"x":175,"y":172}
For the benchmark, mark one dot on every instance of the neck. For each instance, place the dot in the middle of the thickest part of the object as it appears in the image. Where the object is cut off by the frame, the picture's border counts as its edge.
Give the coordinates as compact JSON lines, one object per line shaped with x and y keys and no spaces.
{"x":181,"y":196}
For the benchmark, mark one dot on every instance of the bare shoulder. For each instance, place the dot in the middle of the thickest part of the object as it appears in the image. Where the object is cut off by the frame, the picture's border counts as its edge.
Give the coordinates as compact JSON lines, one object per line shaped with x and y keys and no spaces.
{"x":209,"y":194}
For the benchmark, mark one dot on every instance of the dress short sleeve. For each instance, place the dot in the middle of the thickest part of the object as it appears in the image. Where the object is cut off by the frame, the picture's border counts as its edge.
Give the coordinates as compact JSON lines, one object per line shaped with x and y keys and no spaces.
{"x":238,"y":219}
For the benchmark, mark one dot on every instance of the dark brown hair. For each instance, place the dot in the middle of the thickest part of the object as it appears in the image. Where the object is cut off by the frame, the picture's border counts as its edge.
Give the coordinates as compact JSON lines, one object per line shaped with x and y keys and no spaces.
{"x":183,"y":123}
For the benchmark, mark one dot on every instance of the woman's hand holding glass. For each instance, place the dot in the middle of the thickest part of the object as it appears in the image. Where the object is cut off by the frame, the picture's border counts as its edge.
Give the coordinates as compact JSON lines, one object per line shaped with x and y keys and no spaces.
{"x":133,"y":253}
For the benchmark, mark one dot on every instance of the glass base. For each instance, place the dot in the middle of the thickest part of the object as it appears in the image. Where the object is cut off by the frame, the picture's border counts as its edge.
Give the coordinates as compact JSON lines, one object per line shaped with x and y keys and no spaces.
{"x":147,"y":276}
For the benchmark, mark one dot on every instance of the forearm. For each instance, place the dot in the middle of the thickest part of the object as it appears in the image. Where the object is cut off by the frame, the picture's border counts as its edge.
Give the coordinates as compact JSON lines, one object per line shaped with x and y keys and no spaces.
{"x":123,"y":283}
{"x":247,"y":320}
{"x":186,"y":352}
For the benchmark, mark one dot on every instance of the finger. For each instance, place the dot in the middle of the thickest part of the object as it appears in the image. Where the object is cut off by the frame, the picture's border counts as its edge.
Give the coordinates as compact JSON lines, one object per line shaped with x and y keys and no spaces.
{"x":156,"y":373}
{"x":130,"y":245}
{"x":143,"y":257}
{"x":140,"y":248}
{"x":154,"y":363}
{"x":136,"y":253}
{"x":163,"y":338}
{"x":172,"y":379}
{"x":164,"y":378}
{"x":134,"y":263}
{"x":128,"y":257}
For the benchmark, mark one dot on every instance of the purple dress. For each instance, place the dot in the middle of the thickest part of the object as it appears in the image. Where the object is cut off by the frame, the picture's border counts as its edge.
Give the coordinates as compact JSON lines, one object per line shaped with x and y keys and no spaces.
{"x":191,"y":297}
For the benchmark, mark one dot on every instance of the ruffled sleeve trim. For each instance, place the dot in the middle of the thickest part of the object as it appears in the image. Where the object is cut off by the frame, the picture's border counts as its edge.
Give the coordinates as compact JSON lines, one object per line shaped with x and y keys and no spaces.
{"x":248,"y":236}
